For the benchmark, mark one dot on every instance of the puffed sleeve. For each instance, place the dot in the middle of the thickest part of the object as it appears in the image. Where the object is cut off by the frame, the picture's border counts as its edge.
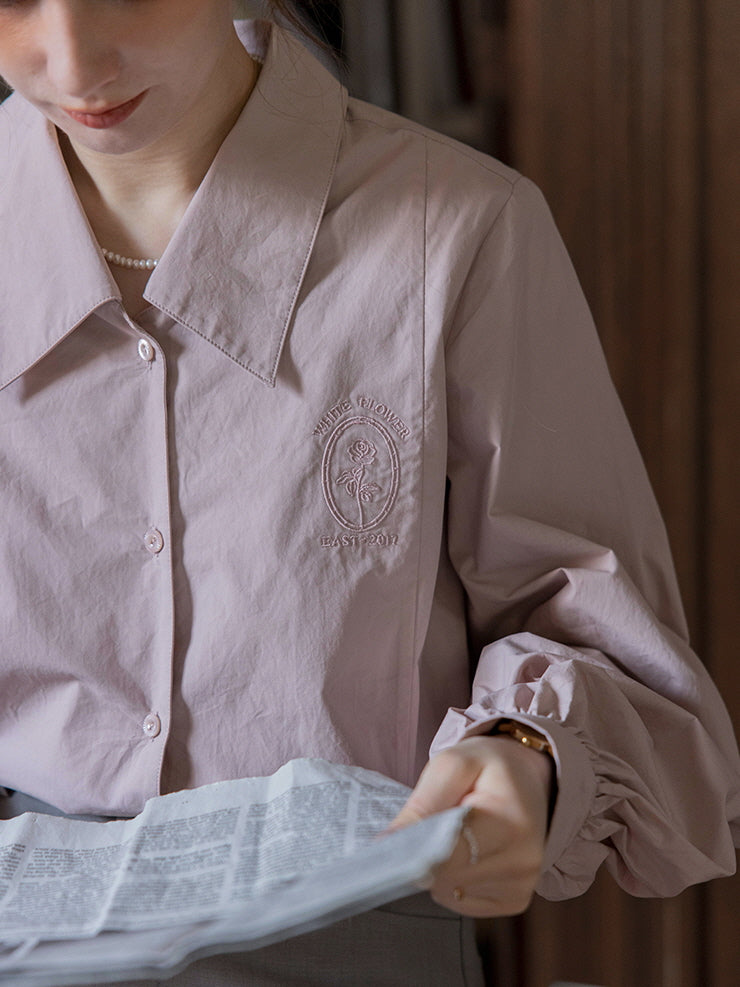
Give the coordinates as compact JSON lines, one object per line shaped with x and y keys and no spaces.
{"x":572,"y":602}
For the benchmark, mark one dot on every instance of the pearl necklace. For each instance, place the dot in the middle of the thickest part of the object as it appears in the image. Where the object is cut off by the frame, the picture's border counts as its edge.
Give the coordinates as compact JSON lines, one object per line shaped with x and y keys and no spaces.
{"x":143,"y":264}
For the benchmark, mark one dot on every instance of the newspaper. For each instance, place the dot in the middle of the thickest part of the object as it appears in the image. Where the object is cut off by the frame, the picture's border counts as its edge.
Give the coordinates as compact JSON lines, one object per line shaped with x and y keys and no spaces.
{"x":233,"y":865}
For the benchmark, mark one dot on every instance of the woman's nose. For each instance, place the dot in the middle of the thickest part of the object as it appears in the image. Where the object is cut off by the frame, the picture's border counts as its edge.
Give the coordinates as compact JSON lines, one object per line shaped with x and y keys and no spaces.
{"x":80,"y":58}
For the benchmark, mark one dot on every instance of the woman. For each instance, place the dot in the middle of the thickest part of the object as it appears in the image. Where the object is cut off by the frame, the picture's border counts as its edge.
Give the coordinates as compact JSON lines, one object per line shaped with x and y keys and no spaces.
{"x":308,"y":418}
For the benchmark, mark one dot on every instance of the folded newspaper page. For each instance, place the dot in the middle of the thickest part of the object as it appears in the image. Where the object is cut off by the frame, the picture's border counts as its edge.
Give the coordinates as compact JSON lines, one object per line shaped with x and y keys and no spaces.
{"x":231,"y":866}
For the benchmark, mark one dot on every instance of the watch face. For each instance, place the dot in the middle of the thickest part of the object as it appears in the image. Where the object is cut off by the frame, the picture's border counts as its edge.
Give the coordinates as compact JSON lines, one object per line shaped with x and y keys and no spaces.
{"x":526,"y":735}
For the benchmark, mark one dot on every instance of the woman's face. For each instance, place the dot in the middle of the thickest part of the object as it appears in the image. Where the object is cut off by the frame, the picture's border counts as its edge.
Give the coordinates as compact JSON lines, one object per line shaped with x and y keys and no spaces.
{"x":115,"y":75}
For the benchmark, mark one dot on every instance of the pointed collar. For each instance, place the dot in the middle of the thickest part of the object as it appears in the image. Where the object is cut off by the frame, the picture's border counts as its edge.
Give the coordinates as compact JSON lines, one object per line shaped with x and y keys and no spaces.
{"x":232,"y":271}
{"x":51,"y":272}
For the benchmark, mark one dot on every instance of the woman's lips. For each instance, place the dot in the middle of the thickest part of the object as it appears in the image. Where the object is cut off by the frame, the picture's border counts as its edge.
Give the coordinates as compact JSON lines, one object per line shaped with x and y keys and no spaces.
{"x":101,"y":120}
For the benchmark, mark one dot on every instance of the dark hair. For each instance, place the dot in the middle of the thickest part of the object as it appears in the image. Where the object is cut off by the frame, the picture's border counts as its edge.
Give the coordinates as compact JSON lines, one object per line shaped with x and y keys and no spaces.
{"x":291,"y":12}
{"x":286,"y":11}
{"x":309,"y":18}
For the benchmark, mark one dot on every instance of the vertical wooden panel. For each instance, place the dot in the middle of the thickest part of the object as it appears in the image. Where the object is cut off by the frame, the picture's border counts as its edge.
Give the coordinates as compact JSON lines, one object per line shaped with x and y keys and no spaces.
{"x":722,"y":342}
{"x":604,"y":117}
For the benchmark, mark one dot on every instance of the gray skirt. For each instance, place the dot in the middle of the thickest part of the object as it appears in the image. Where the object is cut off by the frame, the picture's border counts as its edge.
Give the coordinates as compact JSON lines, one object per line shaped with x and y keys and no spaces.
{"x":409,"y":943}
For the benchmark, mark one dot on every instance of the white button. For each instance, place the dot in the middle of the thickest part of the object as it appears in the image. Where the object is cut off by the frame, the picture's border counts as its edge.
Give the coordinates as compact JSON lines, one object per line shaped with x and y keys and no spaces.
{"x":154,"y":541}
{"x":146,"y":350}
{"x":152,"y":725}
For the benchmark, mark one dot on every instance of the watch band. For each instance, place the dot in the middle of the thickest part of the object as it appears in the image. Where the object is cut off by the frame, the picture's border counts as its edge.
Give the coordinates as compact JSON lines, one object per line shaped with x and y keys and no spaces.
{"x":525,"y":734}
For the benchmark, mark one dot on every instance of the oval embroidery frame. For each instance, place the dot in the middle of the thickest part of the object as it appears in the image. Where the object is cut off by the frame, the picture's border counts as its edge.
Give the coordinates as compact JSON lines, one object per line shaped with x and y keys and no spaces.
{"x":326,"y":472}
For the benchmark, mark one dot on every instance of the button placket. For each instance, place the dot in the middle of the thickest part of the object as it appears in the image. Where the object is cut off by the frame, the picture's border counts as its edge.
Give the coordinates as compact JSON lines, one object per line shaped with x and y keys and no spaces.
{"x":153,"y":722}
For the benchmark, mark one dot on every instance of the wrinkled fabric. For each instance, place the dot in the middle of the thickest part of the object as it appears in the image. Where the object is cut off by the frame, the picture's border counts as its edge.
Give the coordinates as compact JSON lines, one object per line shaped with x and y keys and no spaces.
{"x":360,"y":444}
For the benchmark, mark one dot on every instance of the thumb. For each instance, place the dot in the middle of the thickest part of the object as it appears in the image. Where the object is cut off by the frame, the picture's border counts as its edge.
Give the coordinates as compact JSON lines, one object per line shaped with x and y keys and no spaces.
{"x":443,"y":784}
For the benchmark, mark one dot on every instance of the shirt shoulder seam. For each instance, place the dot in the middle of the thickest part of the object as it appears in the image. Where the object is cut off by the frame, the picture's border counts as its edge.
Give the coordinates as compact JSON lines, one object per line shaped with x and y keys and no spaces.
{"x":480,"y":159}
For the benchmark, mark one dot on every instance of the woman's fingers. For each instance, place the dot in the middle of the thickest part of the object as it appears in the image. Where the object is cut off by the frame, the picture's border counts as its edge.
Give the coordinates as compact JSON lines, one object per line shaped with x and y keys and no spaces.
{"x":499,"y":880}
{"x":497,"y":861}
{"x":443,"y":784}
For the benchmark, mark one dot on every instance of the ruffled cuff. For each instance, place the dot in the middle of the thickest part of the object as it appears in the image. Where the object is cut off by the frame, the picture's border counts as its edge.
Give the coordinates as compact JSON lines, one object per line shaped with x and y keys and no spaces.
{"x":598,"y":816}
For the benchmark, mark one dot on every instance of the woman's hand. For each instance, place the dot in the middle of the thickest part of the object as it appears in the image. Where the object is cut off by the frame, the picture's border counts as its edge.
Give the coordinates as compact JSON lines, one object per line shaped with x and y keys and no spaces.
{"x":497,"y":862}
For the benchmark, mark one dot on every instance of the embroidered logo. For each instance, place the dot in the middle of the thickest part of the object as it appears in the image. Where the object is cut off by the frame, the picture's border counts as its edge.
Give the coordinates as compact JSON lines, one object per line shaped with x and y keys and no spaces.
{"x":360,"y":473}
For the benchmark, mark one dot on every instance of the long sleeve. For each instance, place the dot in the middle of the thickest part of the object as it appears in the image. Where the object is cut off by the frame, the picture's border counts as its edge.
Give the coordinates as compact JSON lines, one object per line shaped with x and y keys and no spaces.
{"x":572,"y":603}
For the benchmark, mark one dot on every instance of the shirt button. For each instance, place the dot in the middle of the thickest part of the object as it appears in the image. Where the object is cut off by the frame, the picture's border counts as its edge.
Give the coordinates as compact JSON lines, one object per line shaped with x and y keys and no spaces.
{"x":152,"y":725}
{"x":146,"y":350}
{"x":154,"y":541}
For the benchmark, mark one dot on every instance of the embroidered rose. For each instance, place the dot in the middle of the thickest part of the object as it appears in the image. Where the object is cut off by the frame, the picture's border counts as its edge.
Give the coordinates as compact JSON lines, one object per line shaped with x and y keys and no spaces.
{"x":362,"y":452}
{"x":360,"y":472}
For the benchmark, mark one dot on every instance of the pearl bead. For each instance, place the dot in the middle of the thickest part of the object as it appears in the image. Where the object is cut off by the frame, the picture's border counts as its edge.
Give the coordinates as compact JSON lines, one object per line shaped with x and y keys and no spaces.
{"x":133,"y":263}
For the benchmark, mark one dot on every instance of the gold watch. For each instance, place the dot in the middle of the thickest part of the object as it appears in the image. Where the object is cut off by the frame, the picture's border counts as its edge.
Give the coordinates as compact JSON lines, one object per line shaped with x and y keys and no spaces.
{"x":525,"y":734}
